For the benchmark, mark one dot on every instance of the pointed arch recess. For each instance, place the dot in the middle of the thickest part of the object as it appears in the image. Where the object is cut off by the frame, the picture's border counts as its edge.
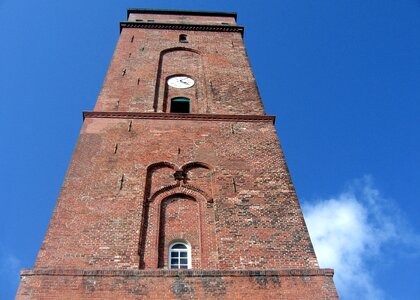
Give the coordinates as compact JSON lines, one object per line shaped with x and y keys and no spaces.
{"x":188,"y":224}
{"x":186,"y":189}
{"x":149,"y":174}
{"x":150,"y":223}
{"x":195,"y":164}
{"x":149,"y":196}
{"x":153,"y":251}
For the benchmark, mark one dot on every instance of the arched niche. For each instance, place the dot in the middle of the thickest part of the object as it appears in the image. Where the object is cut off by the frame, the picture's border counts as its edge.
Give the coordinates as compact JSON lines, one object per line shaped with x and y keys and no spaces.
{"x":180,"y":61}
{"x":165,"y":180}
{"x":155,"y":238}
{"x":159,"y":175}
{"x":164,"y":175}
{"x":179,"y":219}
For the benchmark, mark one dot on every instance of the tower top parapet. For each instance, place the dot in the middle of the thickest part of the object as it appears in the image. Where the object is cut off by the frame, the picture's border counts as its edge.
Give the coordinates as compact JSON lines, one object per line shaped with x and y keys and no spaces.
{"x":180,"y":12}
{"x":181,"y":16}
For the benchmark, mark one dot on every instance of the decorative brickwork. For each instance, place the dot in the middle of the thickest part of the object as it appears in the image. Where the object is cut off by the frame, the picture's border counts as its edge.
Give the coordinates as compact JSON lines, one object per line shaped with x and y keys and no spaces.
{"x":221,"y":28}
{"x":142,"y":178}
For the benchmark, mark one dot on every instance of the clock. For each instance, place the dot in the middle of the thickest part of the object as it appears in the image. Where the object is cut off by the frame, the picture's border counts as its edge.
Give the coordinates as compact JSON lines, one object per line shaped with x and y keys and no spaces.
{"x":180,"y":82}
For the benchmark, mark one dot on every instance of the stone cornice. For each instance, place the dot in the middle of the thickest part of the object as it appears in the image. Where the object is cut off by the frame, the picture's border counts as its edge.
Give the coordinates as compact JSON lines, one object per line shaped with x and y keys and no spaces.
{"x":176,"y":273}
{"x":177,"y":116}
{"x":177,"y":26}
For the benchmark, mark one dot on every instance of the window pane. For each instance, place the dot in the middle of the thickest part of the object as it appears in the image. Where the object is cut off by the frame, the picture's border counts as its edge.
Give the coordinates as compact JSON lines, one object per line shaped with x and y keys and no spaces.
{"x":179,"y":246}
{"x":180,"y":105}
{"x":179,"y":256}
{"x":184,"y":261}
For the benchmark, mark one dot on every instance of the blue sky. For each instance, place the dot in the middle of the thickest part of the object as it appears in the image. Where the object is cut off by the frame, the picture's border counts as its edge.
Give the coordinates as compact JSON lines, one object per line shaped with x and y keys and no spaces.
{"x":342,"y":77}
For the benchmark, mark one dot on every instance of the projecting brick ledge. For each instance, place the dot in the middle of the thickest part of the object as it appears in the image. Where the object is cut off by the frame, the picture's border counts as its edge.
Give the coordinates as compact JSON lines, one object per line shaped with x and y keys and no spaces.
{"x":178,"y":116}
{"x":183,"y":273}
{"x":177,"y":26}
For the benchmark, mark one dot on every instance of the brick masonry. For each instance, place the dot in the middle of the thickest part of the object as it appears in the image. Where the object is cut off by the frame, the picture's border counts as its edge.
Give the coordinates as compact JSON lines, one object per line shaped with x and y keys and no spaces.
{"x":70,"y":284}
{"x":141,"y":177}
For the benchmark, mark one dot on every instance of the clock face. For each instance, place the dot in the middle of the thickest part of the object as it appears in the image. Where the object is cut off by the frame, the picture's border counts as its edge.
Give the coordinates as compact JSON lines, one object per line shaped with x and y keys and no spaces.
{"x":180,"y":82}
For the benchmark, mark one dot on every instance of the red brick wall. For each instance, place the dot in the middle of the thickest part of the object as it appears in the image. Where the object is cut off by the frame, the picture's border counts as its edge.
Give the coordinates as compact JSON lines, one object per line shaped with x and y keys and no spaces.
{"x":185,"y":285}
{"x":249,"y":208}
{"x":217,"y":61}
{"x":181,"y":18}
{"x":141,"y":178}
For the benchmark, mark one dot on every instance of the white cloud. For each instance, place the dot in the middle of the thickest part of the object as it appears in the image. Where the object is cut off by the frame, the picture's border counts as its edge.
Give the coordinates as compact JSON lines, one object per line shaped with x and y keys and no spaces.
{"x":351,"y":229}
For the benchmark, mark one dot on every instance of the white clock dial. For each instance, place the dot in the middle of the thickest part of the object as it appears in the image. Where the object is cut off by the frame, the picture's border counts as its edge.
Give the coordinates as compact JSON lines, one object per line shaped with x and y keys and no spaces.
{"x":180,"y":82}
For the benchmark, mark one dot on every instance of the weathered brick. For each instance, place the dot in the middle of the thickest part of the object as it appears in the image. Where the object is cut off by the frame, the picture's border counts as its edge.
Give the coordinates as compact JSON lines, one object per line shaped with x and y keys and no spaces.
{"x":141,"y":177}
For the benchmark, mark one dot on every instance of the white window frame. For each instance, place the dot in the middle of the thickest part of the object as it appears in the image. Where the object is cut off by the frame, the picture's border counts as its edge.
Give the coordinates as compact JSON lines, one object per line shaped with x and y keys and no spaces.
{"x":188,"y":250}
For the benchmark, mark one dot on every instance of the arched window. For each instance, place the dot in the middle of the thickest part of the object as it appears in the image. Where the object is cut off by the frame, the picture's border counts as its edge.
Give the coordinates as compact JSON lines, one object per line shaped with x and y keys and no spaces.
{"x":179,"y":256}
{"x":180,"y":105}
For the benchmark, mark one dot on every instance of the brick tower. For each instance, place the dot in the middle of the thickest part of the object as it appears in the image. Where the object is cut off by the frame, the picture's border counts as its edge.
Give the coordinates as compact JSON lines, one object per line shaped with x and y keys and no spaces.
{"x":178,"y":187}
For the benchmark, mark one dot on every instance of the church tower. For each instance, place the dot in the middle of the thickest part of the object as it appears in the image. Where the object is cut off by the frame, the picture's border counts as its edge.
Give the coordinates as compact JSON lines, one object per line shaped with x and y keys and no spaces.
{"x":178,"y":187}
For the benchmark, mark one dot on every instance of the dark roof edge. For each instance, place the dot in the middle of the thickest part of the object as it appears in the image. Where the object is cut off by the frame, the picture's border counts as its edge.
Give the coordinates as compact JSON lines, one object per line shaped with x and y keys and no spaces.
{"x":180,"y":12}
